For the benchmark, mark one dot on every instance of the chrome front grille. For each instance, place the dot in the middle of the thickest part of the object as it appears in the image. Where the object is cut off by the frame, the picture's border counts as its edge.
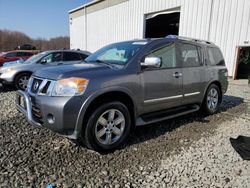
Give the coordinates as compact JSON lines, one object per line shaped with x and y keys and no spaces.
{"x":40,"y":86}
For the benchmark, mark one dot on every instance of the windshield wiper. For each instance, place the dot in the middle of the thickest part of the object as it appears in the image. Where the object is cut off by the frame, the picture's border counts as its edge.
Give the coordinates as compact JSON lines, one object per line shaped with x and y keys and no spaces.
{"x":103,"y":62}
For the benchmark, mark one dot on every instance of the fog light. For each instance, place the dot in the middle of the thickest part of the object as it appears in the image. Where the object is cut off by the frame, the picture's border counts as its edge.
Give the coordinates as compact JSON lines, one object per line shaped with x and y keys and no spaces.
{"x":50,"y":119}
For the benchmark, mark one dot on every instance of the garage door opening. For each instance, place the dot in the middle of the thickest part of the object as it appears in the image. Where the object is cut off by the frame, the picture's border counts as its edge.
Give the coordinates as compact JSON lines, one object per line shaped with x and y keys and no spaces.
{"x":161,"y":25}
{"x":243,"y":63}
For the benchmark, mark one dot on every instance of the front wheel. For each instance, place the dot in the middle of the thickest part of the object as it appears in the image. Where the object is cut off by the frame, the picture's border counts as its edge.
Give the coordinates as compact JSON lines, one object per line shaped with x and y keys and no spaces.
{"x":21,"y":81}
{"x":212,"y":99}
{"x":107,"y":127}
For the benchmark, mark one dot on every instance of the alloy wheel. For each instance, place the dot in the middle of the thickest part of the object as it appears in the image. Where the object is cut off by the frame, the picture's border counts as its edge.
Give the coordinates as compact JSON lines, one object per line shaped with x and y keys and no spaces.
{"x":212,"y":99}
{"x":110,"y":127}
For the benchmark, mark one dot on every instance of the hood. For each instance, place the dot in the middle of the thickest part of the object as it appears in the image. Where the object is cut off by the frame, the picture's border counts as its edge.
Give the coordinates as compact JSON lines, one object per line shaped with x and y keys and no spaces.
{"x":66,"y":71}
{"x":15,"y":66}
{"x":20,"y":61}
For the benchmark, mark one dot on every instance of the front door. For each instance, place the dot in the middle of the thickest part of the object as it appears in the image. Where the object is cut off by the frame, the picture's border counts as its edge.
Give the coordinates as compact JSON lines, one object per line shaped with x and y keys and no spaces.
{"x":162,"y":86}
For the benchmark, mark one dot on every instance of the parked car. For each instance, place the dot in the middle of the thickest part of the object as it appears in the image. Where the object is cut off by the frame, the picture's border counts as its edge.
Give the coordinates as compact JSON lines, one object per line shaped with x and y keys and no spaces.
{"x":124,"y":85}
{"x":25,"y":47}
{"x":19,"y":74}
{"x":16,"y":55}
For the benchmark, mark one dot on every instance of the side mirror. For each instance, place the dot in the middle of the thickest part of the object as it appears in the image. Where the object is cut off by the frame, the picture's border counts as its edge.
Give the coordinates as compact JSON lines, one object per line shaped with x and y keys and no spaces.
{"x":152,"y":62}
{"x":43,"y":61}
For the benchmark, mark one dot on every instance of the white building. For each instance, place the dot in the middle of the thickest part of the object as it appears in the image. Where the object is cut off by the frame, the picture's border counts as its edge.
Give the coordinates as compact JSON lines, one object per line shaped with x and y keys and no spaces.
{"x":224,"y":22}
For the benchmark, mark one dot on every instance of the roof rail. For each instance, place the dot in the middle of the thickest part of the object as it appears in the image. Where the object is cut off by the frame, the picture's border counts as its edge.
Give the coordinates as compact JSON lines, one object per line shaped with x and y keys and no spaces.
{"x":188,"y":39}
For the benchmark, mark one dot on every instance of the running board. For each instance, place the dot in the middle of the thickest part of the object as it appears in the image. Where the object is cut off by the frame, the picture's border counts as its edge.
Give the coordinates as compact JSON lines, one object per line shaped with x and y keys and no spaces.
{"x":166,"y":114}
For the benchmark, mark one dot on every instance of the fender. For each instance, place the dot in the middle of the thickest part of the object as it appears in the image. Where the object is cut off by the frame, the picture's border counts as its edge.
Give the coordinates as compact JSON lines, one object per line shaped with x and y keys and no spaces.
{"x":92,"y":97}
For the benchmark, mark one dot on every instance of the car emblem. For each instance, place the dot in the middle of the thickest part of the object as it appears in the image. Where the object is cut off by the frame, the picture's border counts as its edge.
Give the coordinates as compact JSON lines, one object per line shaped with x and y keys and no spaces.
{"x":36,"y":85}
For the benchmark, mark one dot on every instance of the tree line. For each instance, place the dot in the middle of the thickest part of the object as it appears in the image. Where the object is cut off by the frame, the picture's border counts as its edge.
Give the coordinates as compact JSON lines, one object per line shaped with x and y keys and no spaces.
{"x":9,"y":40}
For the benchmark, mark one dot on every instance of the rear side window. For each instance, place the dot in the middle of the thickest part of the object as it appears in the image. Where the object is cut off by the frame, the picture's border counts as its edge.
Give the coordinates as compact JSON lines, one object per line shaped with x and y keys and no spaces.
{"x":11,"y":54}
{"x":190,"y":55}
{"x":83,"y":56}
{"x":20,"y":54}
{"x":167,"y":55}
{"x":215,"y":57}
{"x":70,"y":56}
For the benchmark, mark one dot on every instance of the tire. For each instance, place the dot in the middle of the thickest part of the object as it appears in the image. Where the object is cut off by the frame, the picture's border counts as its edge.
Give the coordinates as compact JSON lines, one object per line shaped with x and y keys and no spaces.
{"x":107,"y":127}
{"x":21,"y":81}
{"x":212,"y":100}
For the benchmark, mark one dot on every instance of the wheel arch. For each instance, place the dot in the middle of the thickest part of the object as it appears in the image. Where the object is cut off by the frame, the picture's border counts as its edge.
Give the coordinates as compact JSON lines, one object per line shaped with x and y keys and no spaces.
{"x":216,"y":82}
{"x":103,"y":97}
{"x":21,"y":72}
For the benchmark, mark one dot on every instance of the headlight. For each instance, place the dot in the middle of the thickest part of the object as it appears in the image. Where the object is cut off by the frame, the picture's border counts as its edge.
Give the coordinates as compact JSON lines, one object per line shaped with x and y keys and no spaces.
{"x":70,"y":87}
{"x":9,"y":69}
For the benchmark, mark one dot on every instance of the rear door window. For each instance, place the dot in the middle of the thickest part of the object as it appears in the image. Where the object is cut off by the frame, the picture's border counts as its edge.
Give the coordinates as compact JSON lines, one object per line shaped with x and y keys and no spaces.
{"x":71,"y":56}
{"x":190,"y":55}
{"x":215,"y":57}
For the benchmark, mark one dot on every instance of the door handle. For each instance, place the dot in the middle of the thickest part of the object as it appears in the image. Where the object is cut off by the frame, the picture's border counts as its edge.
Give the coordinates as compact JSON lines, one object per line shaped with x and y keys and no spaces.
{"x":177,"y":74}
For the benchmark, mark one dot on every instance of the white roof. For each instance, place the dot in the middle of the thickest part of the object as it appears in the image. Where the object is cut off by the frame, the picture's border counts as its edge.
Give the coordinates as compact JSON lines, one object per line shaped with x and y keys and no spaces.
{"x":85,"y":5}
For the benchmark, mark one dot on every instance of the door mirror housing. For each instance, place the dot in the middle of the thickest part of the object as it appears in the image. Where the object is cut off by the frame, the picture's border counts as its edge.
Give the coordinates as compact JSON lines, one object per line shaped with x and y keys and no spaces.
{"x":152,"y":62}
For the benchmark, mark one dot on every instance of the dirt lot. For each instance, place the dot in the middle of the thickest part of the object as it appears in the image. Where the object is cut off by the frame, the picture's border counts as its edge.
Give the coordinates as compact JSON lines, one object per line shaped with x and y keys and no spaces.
{"x":191,"y":151}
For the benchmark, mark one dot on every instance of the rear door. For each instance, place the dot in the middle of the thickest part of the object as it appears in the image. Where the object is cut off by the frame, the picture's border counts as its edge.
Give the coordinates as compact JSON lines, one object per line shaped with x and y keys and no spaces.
{"x":70,"y":57}
{"x":162,"y":86}
{"x":193,"y":71}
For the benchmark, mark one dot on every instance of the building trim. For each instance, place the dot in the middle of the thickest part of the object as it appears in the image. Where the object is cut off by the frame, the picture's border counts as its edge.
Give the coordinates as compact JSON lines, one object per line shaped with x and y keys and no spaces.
{"x":93,"y":7}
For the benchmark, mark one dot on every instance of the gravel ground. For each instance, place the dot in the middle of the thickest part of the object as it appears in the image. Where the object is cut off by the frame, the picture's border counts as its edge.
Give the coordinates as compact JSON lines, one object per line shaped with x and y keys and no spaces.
{"x":191,"y":151}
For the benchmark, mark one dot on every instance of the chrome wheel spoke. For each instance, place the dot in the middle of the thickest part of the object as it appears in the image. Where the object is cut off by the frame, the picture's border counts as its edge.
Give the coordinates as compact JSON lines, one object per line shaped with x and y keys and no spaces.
{"x":118,"y":120}
{"x":111,"y":115}
{"x":102,"y":121}
{"x":116,"y":131}
{"x":101,"y":132}
{"x":108,"y":139}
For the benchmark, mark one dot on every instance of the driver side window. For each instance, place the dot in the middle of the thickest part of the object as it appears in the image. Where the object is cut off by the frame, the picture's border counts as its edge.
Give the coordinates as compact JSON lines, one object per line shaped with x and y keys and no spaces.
{"x":167,"y":54}
{"x":53,"y":57}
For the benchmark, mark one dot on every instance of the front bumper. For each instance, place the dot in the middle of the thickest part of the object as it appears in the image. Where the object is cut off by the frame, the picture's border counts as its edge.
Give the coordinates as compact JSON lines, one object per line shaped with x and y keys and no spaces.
{"x":65,"y":111}
{"x":27,"y":108}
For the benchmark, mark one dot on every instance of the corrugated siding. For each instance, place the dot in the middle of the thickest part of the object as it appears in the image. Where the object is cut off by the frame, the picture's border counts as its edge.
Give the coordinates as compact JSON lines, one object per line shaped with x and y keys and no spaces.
{"x":224,"y":22}
{"x":77,"y":33}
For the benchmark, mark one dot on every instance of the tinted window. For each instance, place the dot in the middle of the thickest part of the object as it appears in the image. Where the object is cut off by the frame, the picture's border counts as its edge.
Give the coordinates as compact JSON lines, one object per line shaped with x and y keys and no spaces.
{"x":190,"y":55}
{"x":28,"y":54}
{"x":215,"y":56}
{"x":83,"y":56}
{"x":53,"y":57}
{"x":167,"y":55}
{"x":11,"y":54}
{"x":20,"y":54}
{"x":70,"y":56}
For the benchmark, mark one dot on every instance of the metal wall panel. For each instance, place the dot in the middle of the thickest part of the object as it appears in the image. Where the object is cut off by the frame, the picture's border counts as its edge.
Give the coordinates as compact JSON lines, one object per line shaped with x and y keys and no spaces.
{"x":224,"y":22}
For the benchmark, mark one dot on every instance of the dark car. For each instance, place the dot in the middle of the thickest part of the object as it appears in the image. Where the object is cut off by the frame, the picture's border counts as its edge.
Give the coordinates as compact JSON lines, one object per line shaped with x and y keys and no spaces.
{"x":19,"y":74}
{"x":16,"y":55}
{"x":123,"y":85}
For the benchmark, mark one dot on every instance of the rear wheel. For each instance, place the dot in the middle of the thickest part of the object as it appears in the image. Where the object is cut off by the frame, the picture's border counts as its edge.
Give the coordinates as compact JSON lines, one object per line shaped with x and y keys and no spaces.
{"x":21,"y":81}
{"x":212,"y":99}
{"x":107,"y":127}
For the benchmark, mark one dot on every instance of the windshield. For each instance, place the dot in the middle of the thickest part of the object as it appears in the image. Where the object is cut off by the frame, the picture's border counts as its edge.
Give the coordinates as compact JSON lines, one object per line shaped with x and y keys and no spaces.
{"x":35,"y":58}
{"x":119,"y":53}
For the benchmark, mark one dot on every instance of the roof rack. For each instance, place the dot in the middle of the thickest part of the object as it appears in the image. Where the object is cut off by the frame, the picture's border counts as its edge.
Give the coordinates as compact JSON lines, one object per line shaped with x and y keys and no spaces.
{"x":188,"y":39}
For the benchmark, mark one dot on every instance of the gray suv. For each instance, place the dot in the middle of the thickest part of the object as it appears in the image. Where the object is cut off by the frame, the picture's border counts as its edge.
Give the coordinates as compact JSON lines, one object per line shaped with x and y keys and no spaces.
{"x":123,"y":85}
